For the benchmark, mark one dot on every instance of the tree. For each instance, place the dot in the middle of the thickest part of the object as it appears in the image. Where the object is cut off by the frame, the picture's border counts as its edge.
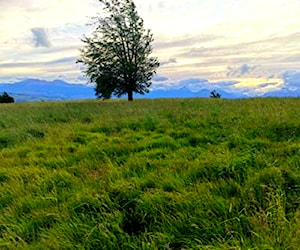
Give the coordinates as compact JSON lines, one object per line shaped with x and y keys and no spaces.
{"x":214,"y":94}
{"x":6,"y":98}
{"x":117,"y":55}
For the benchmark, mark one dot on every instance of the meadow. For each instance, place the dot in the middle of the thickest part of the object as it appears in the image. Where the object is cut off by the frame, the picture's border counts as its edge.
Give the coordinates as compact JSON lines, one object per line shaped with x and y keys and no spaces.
{"x":150,"y":174}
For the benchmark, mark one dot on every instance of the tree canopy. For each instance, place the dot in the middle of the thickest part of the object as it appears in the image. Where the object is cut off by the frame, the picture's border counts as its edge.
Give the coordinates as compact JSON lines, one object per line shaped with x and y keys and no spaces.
{"x":117,"y":54}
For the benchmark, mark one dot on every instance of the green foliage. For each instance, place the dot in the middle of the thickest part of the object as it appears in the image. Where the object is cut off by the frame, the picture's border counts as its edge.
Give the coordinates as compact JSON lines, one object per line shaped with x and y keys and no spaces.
{"x":214,"y":94}
{"x":162,"y":174}
{"x":6,"y":98}
{"x":117,"y":55}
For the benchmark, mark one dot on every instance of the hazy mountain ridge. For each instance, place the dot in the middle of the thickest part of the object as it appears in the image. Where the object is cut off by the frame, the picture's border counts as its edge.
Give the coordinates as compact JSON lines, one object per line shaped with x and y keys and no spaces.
{"x":37,"y":90}
{"x":283,"y":93}
{"x":34,"y":90}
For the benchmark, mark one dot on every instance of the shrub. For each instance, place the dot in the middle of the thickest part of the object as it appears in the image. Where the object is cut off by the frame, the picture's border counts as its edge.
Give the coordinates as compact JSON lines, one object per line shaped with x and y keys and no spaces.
{"x":214,"y":94}
{"x":6,"y":98}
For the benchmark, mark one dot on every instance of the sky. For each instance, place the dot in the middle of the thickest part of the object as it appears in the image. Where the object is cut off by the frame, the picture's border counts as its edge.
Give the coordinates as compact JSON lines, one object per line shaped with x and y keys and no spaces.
{"x":249,"y":46}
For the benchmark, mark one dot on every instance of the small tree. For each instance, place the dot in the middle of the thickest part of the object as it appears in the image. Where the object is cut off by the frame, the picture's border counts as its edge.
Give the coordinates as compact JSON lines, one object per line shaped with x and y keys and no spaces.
{"x":6,"y":98}
{"x":214,"y":94}
{"x":117,"y":55}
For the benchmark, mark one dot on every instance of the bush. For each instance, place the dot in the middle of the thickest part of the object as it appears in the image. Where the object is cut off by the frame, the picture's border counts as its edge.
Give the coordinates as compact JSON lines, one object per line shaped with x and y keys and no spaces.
{"x":6,"y":98}
{"x":214,"y":94}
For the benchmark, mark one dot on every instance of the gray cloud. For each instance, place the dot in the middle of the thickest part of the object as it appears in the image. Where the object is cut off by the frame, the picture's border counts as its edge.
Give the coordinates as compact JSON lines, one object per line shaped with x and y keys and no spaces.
{"x":160,"y":78}
{"x":264,"y":46}
{"x":40,"y":37}
{"x":261,"y":89}
{"x":240,"y":71}
{"x":82,"y":79}
{"x":268,"y":52}
{"x":184,"y":42}
{"x":62,"y":49}
{"x":18,"y":65}
{"x":65,"y":60}
{"x":265,"y":85}
{"x":225,"y":84}
{"x":195,"y":83}
{"x":169,"y":61}
{"x":292,"y":59}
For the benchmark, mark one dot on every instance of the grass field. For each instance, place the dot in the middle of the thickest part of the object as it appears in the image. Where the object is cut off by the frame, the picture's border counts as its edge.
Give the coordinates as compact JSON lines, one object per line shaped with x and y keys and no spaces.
{"x":152,"y":174}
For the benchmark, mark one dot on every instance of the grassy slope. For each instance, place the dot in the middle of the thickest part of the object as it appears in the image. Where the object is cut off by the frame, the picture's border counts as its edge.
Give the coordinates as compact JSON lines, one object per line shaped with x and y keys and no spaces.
{"x":163,"y":174}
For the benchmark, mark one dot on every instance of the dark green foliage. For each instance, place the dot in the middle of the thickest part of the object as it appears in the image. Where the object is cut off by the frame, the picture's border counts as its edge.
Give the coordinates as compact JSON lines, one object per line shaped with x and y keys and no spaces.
{"x":117,"y":55}
{"x":6,"y":98}
{"x":6,"y":199}
{"x":214,"y":94}
{"x":35,"y":133}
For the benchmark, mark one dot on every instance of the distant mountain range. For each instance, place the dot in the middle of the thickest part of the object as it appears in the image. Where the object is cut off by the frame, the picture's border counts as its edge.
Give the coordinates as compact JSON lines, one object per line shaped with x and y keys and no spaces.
{"x":37,"y":90}
{"x":186,"y":93}
{"x":283,"y":93}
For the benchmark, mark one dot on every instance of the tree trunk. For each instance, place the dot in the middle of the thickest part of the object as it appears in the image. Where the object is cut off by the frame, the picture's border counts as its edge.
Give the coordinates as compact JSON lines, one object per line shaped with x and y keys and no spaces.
{"x":130,"y":95}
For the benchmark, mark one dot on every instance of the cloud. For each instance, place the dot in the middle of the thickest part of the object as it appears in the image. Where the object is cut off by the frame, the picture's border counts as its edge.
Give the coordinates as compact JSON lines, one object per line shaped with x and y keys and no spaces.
{"x":82,"y":79}
{"x":64,"y":60}
{"x":240,"y":71}
{"x":272,"y":51}
{"x":40,"y":37}
{"x":169,"y":61}
{"x":224,"y":84}
{"x":263,"y":88}
{"x":185,"y":42}
{"x":195,"y":83}
{"x":160,"y":78}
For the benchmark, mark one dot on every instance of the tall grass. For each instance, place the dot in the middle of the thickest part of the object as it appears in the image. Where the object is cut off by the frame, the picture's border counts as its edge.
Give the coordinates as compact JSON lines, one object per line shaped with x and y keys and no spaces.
{"x":152,"y":174}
